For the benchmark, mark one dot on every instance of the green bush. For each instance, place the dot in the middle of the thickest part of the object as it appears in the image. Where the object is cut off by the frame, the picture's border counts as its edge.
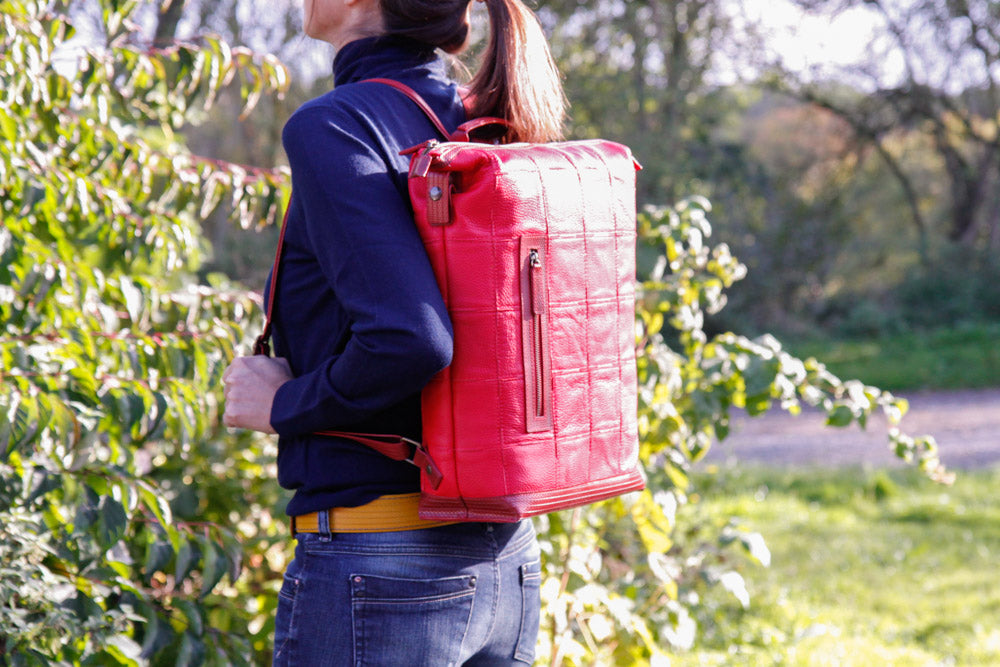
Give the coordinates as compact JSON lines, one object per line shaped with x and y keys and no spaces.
{"x":865,"y":317}
{"x":125,"y":509}
{"x":961,"y":287}
{"x":960,"y":357}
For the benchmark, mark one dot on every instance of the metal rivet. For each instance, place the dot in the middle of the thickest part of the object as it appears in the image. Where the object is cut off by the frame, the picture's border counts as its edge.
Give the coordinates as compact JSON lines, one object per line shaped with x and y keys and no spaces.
{"x":472,"y":582}
{"x":358,"y":580}
{"x":435,"y":193}
{"x":430,"y":470}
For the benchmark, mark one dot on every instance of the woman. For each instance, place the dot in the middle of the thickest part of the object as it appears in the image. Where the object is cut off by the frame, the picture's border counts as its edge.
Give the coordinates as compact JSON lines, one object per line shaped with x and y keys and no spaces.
{"x":359,"y":329}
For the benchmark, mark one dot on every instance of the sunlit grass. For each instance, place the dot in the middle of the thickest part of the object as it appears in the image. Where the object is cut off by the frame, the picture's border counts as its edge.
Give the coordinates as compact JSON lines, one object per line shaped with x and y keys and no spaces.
{"x":962,"y":358}
{"x":868,"y":568}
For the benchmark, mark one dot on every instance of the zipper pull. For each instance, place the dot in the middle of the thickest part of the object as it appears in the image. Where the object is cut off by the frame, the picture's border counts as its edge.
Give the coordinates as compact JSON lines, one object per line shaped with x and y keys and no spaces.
{"x":421,"y":158}
{"x":425,"y":146}
{"x":537,"y":282}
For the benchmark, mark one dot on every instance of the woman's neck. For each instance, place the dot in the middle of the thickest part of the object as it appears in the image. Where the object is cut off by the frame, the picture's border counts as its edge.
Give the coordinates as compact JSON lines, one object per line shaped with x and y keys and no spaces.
{"x":361,"y":19}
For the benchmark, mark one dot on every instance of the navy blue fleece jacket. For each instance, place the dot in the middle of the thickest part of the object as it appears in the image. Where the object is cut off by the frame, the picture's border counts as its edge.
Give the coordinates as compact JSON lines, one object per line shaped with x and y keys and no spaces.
{"x":358,"y":313}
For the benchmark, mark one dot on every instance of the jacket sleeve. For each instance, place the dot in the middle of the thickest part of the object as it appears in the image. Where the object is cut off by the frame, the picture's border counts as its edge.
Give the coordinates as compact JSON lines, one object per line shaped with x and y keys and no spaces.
{"x":372,"y":258}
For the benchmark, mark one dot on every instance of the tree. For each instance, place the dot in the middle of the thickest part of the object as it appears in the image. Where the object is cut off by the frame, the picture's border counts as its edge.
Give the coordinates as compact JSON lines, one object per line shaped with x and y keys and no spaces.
{"x":167,"y":19}
{"x":937,"y":72}
{"x":638,"y":72}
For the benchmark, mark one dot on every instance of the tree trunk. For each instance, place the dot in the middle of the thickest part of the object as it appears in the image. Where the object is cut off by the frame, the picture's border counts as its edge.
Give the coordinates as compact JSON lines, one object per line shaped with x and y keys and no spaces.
{"x":166,"y":23}
{"x":866,"y":133}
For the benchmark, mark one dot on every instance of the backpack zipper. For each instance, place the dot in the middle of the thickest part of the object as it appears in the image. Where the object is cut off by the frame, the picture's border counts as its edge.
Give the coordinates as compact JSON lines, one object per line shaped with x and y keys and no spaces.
{"x":535,"y":278}
{"x":535,"y":336}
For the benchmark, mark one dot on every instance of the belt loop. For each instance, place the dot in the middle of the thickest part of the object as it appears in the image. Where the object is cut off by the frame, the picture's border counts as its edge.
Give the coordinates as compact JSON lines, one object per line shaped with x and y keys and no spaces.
{"x":324,"y":525}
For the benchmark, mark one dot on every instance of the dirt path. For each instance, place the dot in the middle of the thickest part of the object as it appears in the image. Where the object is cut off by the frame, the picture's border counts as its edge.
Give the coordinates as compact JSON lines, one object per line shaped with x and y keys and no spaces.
{"x":966,"y":425}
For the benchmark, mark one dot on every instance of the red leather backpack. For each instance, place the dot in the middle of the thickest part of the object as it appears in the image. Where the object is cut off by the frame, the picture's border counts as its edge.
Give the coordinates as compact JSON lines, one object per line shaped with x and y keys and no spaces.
{"x":533,"y":247}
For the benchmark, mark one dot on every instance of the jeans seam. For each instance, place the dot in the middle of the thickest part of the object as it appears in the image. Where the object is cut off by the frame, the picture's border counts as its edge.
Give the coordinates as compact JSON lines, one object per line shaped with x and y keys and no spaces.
{"x":331,"y":549}
{"x":444,"y":597}
{"x":514,"y":550}
{"x":526,"y":654}
{"x":357,"y":631}
{"x":287,"y":644}
{"x":494,"y":606}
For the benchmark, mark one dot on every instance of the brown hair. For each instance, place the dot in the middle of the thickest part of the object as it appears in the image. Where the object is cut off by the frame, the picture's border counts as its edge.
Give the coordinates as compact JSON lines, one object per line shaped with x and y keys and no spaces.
{"x":517,"y":79}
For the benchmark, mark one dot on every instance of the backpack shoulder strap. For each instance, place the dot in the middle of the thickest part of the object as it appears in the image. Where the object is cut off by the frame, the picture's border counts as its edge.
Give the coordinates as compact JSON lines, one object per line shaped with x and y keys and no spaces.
{"x":464,"y":131}
{"x":419,"y":101}
{"x":261,"y":345}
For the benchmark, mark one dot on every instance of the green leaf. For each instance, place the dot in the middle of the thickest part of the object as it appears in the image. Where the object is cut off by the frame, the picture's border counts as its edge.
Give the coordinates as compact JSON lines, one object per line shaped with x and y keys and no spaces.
{"x":8,"y":127}
{"x":153,"y":499}
{"x":755,"y":545}
{"x":840,"y":416}
{"x":25,"y":421}
{"x":192,"y":613}
{"x":84,"y":606}
{"x":42,"y":484}
{"x":187,"y":557}
{"x":125,"y":650}
{"x":734,"y":583}
{"x":111,"y":523}
{"x":158,"y":556}
{"x":213,"y":567}
{"x":759,"y":375}
{"x":757,"y":405}
{"x":6,"y":431}
{"x":87,"y":513}
{"x":192,"y":651}
{"x":234,"y":555}
{"x":157,"y":634}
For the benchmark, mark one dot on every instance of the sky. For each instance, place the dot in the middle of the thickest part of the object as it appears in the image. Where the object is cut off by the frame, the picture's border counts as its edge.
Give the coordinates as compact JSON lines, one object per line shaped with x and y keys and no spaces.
{"x":822,"y":44}
{"x":810,"y":42}
{"x":804,"y":40}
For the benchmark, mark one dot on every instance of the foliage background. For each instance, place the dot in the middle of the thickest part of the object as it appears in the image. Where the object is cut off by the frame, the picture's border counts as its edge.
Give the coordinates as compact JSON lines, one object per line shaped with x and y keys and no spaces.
{"x":135,"y":530}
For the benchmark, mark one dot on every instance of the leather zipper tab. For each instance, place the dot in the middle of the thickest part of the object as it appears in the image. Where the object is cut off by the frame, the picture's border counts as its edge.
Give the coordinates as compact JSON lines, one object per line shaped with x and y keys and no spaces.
{"x":439,"y":189}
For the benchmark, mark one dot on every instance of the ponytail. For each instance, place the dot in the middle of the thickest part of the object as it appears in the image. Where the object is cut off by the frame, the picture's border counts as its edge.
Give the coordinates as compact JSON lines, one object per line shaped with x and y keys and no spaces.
{"x":517,"y":80}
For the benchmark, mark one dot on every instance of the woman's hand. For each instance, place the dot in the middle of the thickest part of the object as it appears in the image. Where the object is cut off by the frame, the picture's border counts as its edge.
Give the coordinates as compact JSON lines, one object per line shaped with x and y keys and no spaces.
{"x":251,"y":383}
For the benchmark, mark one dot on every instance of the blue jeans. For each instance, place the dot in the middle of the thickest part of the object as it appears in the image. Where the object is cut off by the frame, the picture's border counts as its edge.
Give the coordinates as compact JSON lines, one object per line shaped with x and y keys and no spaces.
{"x":465,"y":594}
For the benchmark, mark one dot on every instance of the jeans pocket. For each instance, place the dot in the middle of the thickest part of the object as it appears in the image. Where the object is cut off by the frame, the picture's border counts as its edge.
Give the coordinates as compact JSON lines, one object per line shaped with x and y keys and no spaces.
{"x":531,"y":604}
{"x":410,"y":621}
{"x":283,"y":620}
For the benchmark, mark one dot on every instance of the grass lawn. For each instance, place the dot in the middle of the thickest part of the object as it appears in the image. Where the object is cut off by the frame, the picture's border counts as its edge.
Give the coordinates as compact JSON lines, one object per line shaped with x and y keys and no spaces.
{"x":962,"y":358}
{"x":868,"y":568}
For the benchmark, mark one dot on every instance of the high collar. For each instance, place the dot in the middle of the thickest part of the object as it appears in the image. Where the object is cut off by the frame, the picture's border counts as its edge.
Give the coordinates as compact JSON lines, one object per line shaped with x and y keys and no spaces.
{"x":385,"y":56}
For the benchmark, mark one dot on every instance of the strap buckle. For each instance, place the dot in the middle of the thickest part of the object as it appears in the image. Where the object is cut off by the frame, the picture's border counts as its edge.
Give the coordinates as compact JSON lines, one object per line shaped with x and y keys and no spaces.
{"x":416,"y":447}
{"x":421,"y":459}
{"x":397,"y":448}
